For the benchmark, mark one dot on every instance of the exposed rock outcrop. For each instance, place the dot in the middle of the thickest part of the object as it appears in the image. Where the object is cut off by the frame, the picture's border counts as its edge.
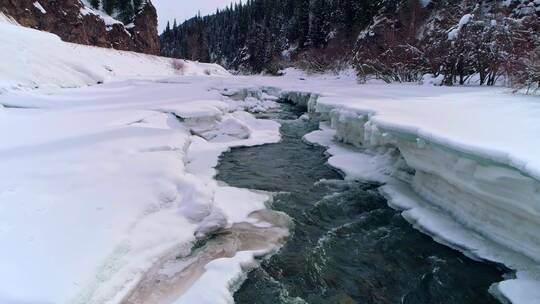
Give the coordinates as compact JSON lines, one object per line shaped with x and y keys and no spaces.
{"x":76,"y":22}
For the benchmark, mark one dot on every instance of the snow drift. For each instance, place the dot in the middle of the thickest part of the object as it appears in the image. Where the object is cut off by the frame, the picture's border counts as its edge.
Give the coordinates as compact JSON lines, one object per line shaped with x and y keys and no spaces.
{"x":34,"y":59}
{"x":105,"y":189}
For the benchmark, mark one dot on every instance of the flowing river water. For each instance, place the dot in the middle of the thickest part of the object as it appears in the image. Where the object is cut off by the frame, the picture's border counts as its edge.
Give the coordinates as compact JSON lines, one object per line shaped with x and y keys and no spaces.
{"x":346,"y":244}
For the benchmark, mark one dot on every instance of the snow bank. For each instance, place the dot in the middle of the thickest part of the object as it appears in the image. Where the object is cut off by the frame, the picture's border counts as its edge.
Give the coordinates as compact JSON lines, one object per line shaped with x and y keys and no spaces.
{"x":224,"y":273}
{"x":32,"y":59}
{"x":98,"y":184}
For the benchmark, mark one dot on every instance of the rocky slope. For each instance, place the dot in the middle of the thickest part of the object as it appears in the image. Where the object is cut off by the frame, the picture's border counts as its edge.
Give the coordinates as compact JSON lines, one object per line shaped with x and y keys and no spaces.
{"x":76,"y":21}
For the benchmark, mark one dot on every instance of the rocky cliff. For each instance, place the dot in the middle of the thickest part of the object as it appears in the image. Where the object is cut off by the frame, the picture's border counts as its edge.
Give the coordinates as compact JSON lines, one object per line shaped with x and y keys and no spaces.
{"x":76,"y":21}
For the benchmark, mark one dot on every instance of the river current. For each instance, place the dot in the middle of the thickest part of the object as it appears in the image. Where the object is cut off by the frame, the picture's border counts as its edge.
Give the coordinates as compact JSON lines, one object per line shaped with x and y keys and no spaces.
{"x":346,"y":244}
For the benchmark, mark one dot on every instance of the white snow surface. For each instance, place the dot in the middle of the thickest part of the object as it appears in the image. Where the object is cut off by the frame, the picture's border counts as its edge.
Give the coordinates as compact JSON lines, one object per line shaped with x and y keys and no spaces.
{"x":520,"y":291}
{"x":97,"y":183}
{"x":224,"y":275}
{"x":36,"y":59}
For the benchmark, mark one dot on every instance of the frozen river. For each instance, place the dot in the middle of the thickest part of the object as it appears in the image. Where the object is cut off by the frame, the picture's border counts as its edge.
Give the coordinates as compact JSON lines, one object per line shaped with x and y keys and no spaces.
{"x":346,"y":244}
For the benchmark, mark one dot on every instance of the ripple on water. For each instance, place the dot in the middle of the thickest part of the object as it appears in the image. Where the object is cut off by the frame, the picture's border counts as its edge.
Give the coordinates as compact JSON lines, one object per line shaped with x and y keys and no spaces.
{"x":347,"y":245}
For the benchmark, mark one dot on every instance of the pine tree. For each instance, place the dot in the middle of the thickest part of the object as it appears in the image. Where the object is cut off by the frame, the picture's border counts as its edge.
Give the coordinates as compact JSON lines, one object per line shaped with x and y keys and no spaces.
{"x":109,"y":6}
{"x":137,"y":4}
{"x":126,"y":10}
{"x":253,"y":35}
{"x":319,"y":28}
{"x":95,"y":3}
{"x":302,"y":21}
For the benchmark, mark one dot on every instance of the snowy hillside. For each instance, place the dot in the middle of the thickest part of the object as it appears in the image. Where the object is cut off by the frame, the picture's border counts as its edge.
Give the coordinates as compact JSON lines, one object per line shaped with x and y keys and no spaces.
{"x":32,"y":59}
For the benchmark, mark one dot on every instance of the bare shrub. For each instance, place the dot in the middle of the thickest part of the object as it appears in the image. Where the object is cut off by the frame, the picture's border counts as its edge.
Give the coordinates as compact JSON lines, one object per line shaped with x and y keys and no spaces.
{"x":527,"y":76}
{"x":179,"y":65}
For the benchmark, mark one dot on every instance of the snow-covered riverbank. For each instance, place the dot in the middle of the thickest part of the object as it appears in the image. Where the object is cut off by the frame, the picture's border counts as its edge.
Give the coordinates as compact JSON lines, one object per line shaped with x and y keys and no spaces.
{"x":100,"y":184}
{"x":104,"y":189}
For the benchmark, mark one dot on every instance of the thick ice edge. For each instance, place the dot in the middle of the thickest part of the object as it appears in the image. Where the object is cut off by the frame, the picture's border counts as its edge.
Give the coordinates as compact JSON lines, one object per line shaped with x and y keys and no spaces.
{"x":483,"y":208}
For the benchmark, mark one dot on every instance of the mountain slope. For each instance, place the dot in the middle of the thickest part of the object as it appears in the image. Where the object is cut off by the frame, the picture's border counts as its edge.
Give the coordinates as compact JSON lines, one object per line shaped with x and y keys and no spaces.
{"x":456,"y":41}
{"x":34,"y":59}
{"x":91,"y":23}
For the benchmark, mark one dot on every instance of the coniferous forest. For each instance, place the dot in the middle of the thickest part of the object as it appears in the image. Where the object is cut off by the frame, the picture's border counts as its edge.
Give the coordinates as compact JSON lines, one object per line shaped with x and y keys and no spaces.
{"x":255,"y":36}
{"x":394,"y":40}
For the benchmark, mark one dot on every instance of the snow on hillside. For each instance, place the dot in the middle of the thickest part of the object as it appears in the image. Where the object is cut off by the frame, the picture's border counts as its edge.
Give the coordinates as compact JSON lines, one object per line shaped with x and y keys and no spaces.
{"x":32,"y":59}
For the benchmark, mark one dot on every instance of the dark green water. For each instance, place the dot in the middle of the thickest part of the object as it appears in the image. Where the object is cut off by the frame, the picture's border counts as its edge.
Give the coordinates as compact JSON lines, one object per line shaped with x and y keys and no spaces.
{"x":347,"y":245}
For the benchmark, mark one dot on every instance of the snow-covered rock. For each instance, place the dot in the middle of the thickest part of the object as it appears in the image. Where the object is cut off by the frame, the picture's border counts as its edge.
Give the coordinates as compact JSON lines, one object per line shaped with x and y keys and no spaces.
{"x":130,"y":27}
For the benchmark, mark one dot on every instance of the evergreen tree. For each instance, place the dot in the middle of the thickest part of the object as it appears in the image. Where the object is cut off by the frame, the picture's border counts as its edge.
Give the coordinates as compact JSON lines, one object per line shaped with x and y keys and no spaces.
{"x":109,"y":6}
{"x":302,"y":21}
{"x":137,"y":4}
{"x":95,"y":3}
{"x":394,"y":40}
{"x":126,"y":11}
{"x":319,"y":24}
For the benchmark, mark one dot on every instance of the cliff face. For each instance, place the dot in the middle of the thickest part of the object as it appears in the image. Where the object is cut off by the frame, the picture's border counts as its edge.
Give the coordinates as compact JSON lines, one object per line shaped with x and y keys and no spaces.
{"x":76,"y":22}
